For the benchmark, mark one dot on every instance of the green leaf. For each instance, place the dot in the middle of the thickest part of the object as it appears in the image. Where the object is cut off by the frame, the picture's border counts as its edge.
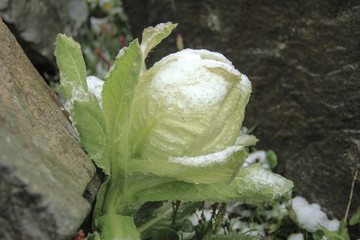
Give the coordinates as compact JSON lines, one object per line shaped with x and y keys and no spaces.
{"x":71,"y":65}
{"x":152,"y":36}
{"x":115,"y":226}
{"x":271,"y":158}
{"x":165,"y":234}
{"x":120,"y":84}
{"x":154,"y":216}
{"x":100,"y":197}
{"x":355,"y":219}
{"x":118,"y":92}
{"x":253,"y":184}
{"x":89,"y":121}
{"x":217,"y":172}
{"x":150,"y":210}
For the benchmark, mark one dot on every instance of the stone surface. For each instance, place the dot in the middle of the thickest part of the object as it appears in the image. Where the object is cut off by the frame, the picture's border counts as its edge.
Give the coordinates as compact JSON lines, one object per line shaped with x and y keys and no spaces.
{"x":43,"y":169}
{"x":35,"y":24}
{"x":303,"y":59}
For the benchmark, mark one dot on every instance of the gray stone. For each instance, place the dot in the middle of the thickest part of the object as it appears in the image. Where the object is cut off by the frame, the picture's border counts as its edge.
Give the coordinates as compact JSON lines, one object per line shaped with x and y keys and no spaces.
{"x":35,"y":23}
{"x":303,"y":59}
{"x":43,"y":169}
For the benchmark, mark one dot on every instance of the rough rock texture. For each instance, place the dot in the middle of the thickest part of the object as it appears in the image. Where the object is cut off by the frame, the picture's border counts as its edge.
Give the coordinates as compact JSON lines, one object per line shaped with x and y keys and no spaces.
{"x":304,"y":62}
{"x":43,"y":169}
{"x":35,"y":24}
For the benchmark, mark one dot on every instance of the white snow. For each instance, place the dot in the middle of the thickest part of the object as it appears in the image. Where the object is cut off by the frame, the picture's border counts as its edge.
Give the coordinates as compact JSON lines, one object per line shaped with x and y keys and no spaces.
{"x":296,"y":236}
{"x":203,"y":160}
{"x":257,"y":157}
{"x":253,"y":229}
{"x":194,"y":219}
{"x":310,"y":216}
{"x":266,"y":177}
{"x":95,"y":86}
{"x":188,"y":81}
{"x":77,"y":94}
{"x":244,"y":130}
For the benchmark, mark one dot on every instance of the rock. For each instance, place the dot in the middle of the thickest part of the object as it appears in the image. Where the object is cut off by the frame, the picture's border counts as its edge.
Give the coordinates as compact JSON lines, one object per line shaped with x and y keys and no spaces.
{"x":36,"y":23}
{"x":43,"y":169}
{"x":303,"y":59}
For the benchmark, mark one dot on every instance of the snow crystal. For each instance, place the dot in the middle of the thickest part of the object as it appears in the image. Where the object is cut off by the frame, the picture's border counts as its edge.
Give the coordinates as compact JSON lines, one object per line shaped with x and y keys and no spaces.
{"x":188,"y":81}
{"x":257,"y":157}
{"x":95,"y":86}
{"x":311,"y":217}
{"x":207,"y":159}
{"x":296,"y":236}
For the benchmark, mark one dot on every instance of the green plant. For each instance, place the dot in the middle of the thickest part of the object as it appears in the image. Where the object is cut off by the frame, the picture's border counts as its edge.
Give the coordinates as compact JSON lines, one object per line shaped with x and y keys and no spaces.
{"x":107,"y":30}
{"x":159,"y":139}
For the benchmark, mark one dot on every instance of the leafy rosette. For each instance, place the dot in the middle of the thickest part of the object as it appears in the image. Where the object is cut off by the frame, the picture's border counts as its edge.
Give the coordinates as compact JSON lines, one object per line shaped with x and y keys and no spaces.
{"x":186,"y":118}
{"x":167,"y":133}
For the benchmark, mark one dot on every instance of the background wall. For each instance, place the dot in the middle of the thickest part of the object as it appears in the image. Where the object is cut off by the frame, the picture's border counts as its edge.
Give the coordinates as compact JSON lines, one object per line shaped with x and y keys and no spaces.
{"x":303,"y":60}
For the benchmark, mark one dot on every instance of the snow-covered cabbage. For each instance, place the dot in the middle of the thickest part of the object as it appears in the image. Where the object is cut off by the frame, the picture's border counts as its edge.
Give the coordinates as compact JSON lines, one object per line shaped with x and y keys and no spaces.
{"x":188,"y":108}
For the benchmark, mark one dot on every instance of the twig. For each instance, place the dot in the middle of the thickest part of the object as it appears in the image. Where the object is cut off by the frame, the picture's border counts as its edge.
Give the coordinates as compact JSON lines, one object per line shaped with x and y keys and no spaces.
{"x":350,"y":197}
{"x":102,"y":57}
{"x":98,"y":49}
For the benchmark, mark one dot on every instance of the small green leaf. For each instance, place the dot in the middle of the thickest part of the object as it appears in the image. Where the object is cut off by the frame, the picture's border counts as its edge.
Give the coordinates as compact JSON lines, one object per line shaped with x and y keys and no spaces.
{"x":272,"y":159}
{"x":336,"y":235}
{"x":89,"y":121}
{"x":187,"y":226}
{"x":153,"y":216}
{"x":152,"y":36}
{"x":253,"y":184}
{"x":279,"y":221}
{"x":318,"y":235}
{"x":165,"y":234}
{"x":355,"y":219}
{"x":94,"y":236}
{"x":71,"y":65}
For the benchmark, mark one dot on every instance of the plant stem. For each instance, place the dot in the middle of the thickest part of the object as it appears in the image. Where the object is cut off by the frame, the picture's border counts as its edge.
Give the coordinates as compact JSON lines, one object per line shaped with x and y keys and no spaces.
{"x":115,"y":188}
{"x":116,"y":226}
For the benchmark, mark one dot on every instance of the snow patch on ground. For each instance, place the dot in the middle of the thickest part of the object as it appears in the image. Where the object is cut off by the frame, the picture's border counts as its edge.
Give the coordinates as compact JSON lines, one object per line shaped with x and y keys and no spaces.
{"x":310,"y":216}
